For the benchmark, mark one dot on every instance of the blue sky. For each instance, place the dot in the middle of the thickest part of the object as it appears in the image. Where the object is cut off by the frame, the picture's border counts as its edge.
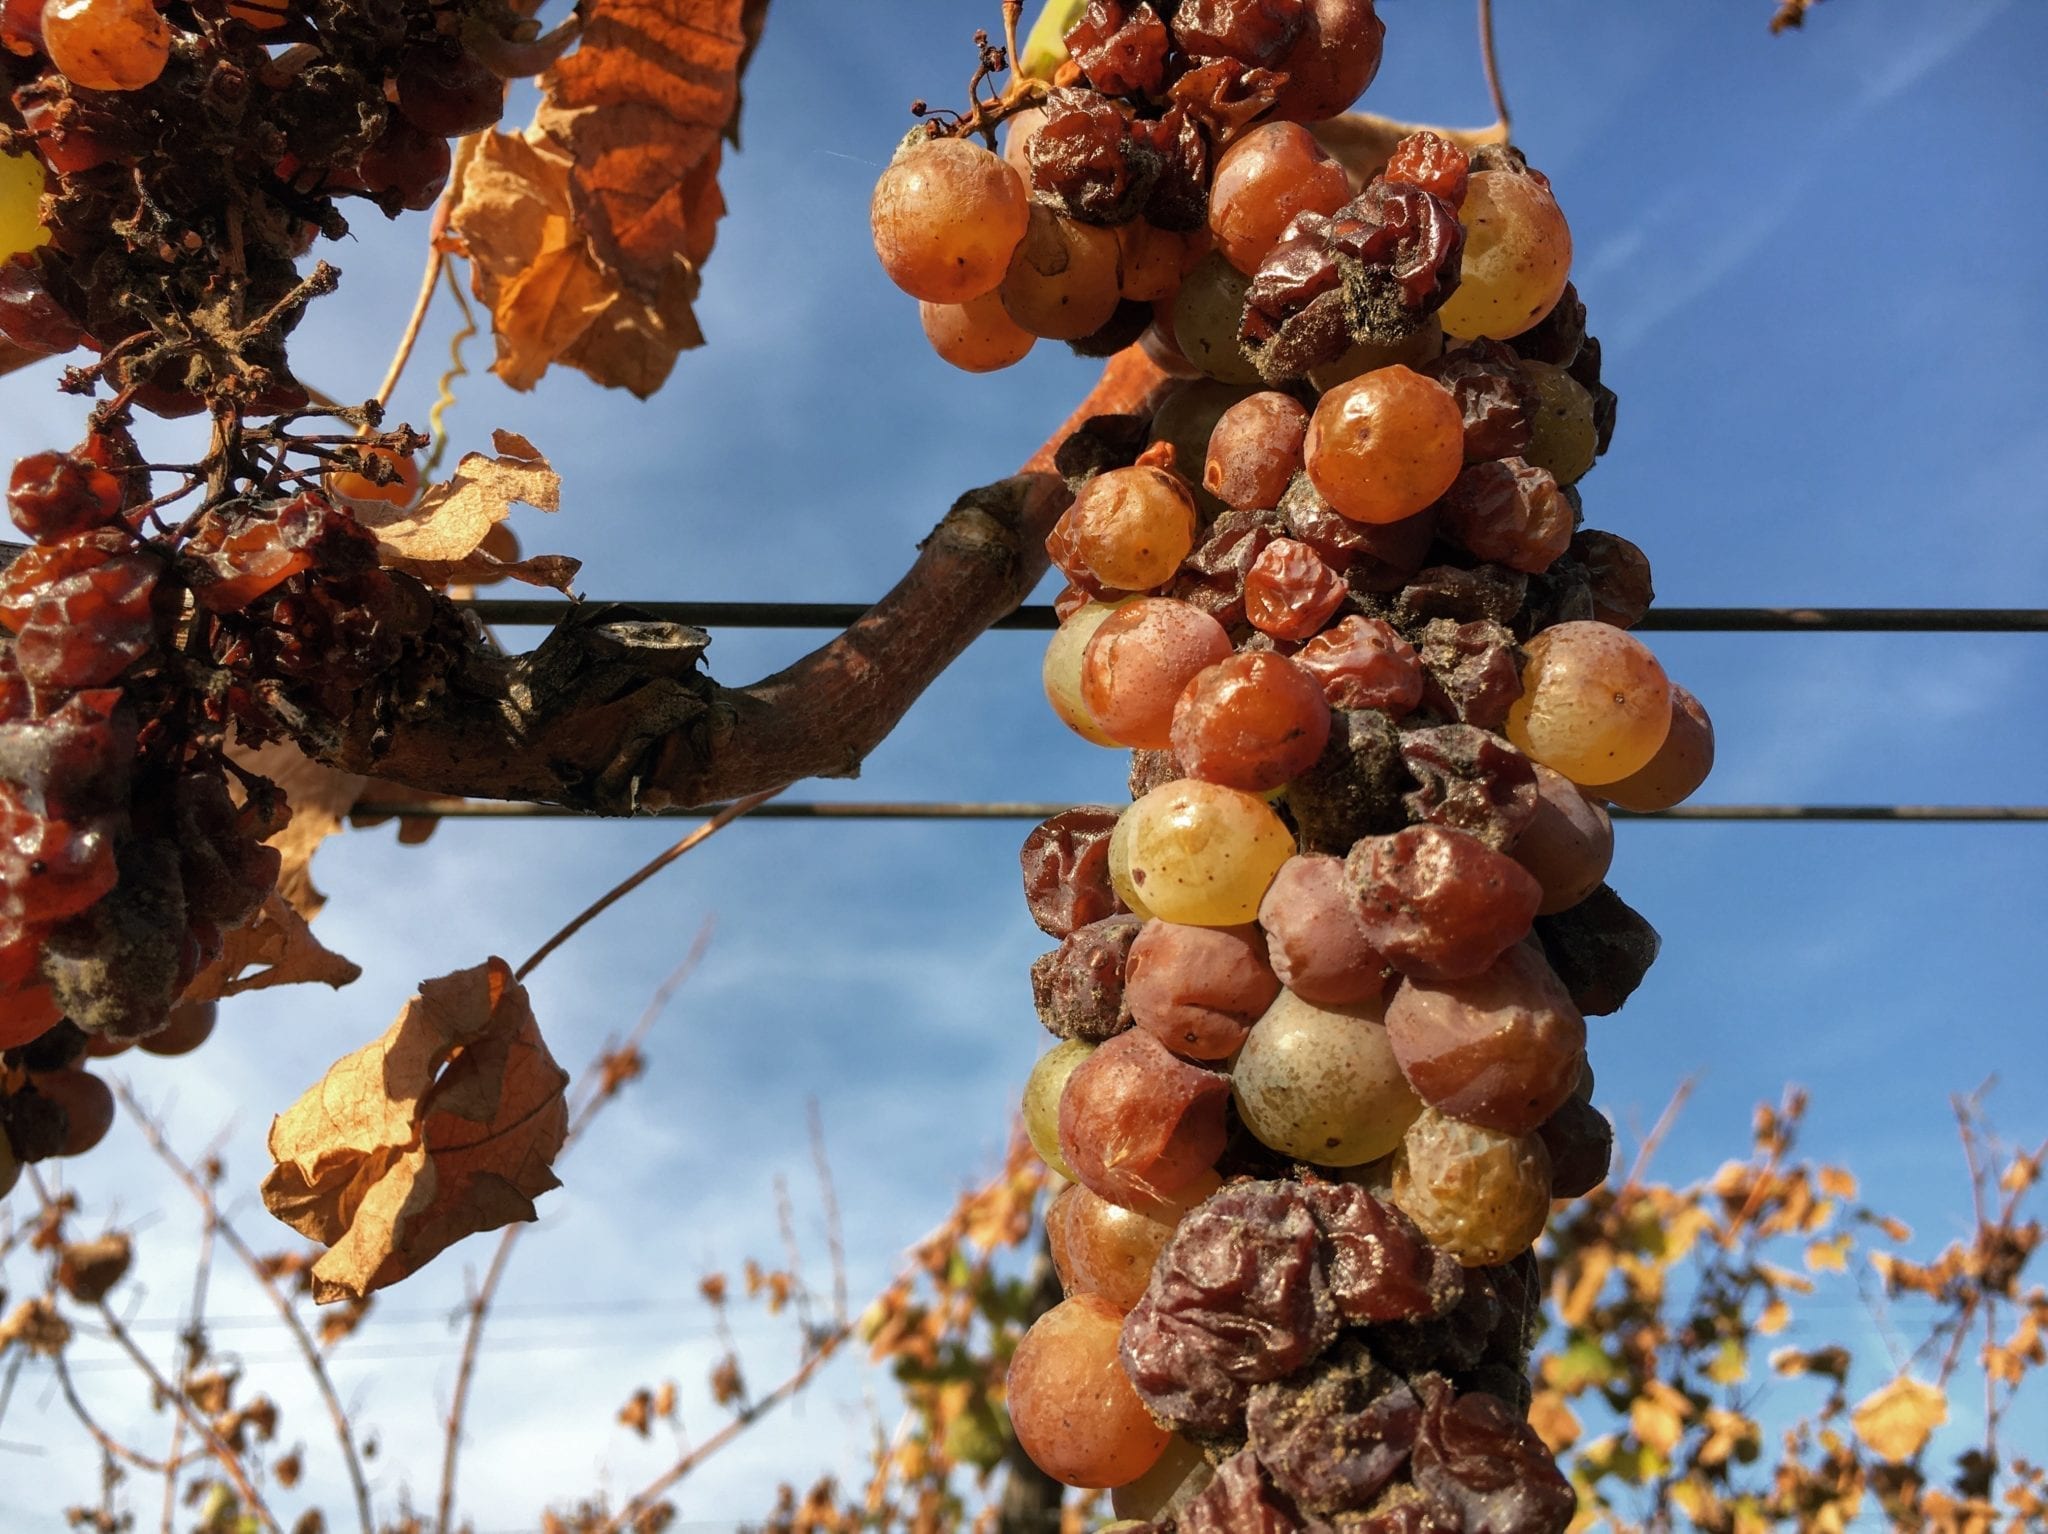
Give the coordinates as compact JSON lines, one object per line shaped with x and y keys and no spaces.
{"x":1814,"y":261}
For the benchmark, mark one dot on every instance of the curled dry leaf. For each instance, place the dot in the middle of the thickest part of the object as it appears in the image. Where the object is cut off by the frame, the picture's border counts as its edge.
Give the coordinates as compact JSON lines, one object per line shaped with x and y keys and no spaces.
{"x":440,"y":537}
{"x":587,"y":233}
{"x":445,"y":1126}
{"x":274,"y":947}
{"x":1896,"y":1421}
{"x":37,"y":1326}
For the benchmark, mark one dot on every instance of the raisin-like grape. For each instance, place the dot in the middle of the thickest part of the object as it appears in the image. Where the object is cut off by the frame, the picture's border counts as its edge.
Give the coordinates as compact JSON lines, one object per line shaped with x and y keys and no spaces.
{"x":1471,"y":672}
{"x":1471,"y":780}
{"x":1476,"y":1455}
{"x":1294,"y":309}
{"x":1399,"y":249}
{"x":1509,"y":512}
{"x":1619,"y":574}
{"x":1354,"y":789}
{"x":1492,"y":394}
{"x":1066,"y":869}
{"x":1240,"y":1500}
{"x":1078,"y":988}
{"x":1315,"y":938}
{"x":1086,"y":161}
{"x":1432,"y":162}
{"x":1335,"y":1439}
{"x":1199,"y":989}
{"x":1601,"y":948}
{"x":1290,"y":593}
{"x":1213,"y":577}
{"x":1581,"y":1145}
{"x":1486,"y":594}
{"x":1121,"y":47}
{"x":1364,"y":663}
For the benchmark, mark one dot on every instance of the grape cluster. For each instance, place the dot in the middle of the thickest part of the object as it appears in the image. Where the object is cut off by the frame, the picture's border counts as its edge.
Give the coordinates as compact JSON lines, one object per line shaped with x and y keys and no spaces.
{"x":162,"y":172}
{"x":1321,"y":988}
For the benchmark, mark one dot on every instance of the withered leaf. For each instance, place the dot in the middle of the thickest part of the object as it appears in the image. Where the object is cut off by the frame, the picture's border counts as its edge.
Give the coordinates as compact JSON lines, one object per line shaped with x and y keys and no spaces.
{"x":445,"y":1126}
{"x":587,"y":233}
{"x":1896,"y":1420}
{"x":320,"y":799}
{"x":87,"y":1270}
{"x":440,"y":537}
{"x":274,"y":947}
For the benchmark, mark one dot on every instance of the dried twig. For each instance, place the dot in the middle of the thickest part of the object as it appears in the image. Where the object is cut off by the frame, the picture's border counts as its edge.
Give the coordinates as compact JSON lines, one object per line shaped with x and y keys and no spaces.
{"x":309,"y":1351}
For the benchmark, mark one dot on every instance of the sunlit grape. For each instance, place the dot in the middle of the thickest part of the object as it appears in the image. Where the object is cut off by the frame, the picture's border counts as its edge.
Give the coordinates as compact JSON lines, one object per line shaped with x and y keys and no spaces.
{"x":1385,"y":445}
{"x":106,"y":45}
{"x":1074,"y":1410}
{"x":1103,"y":1248}
{"x":1499,"y":1049}
{"x":1042,"y":1090}
{"x":1063,"y":281}
{"x":1137,"y":1124}
{"x":1595,"y":704}
{"x":1198,"y":989}
{"x":1120,"y":867}
{"x":1253,"y":720}
{"x":1518,"y":256}
{"x":1203,"y":854}
{"x":397,"y":482}
{"x":1062,"y":670}
{"x":978,"y":336}
{"x":1322,"y":1084}
{"x":21,"y":197}
{"x":947,"y":216}
{"x":1263,"y":180}
{"x":1481,"y":1195}
{"x":1255,"y":450}
{"x":1140,"y":661}
{"x":1153,"y":260}
{"x":1128,"y":529}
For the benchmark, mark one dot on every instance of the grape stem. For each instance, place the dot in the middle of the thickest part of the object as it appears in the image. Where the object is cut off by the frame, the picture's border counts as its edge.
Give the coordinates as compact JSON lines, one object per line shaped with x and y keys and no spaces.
{"x":1489,"y":60}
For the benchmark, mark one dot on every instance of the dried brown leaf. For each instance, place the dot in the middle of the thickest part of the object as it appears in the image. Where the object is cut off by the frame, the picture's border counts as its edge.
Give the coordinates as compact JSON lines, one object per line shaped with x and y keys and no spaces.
{"x":1896,"y":1421}
{"x":275,"y":947}
{"x":440,"y":537}
{"x":88,"y":1270}
{"x":445,"y":1126}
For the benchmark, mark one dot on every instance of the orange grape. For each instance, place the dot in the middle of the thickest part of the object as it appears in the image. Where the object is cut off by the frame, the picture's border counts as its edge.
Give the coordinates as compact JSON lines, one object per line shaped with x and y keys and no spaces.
{"x":1103,"y":1248}
{"x":1127,"y":530}
{"x":1680,"y":765}
{"x":1074,"y":1410}
{"x":1595,"y":704}
{"x":1153,"y":259}
{"x":1272,"y":173}
{"x":978,"y":336}
{"x":1385,"y":445}
{"x":1139,"y":662}
{"x":1063,"y":280}
{"x":1518,"y":257}
{"x":947,"y":216}
{"x":106,"y":45}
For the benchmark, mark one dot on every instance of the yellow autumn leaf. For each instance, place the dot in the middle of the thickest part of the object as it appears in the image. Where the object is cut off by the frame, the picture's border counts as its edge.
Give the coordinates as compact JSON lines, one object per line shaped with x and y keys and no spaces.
{"x":1658,"y":1415}
{"x":1837,"y":1182}
{"x":273,"y":947}
{"x":1776,"y":1316}
{"x":1896,"y":1421}
{"x":1830,"y":1255}
{"x":1554,"y":1421}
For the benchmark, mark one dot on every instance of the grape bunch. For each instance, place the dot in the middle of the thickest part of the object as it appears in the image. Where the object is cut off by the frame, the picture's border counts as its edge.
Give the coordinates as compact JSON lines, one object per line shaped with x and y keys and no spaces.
{"x":162,"y":173}
{"x":1321,"y":988}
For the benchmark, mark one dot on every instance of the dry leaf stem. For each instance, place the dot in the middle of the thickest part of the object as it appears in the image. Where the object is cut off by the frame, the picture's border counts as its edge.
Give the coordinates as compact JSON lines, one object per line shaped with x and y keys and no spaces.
{"x":217,"y":1223}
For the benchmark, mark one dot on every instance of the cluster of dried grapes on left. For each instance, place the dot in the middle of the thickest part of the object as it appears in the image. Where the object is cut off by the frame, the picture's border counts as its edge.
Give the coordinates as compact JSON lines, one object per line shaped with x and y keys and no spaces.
{"x":163,"y":172}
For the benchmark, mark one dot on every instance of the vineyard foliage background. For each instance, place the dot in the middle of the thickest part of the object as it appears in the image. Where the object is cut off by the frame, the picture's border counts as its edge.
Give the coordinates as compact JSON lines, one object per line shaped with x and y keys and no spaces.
{"x":1808,"y":259}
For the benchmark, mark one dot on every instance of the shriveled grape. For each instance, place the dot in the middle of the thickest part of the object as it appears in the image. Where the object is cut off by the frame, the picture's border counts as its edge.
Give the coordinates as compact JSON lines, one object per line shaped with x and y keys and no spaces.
{"x":1439,"y":903}
{"x":1364,"y":663}
{"x":1478,"y":1194}
{"x":1500,"y":1048}
{"x":1289,"y":592}
{"x":1137,"y":1124}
